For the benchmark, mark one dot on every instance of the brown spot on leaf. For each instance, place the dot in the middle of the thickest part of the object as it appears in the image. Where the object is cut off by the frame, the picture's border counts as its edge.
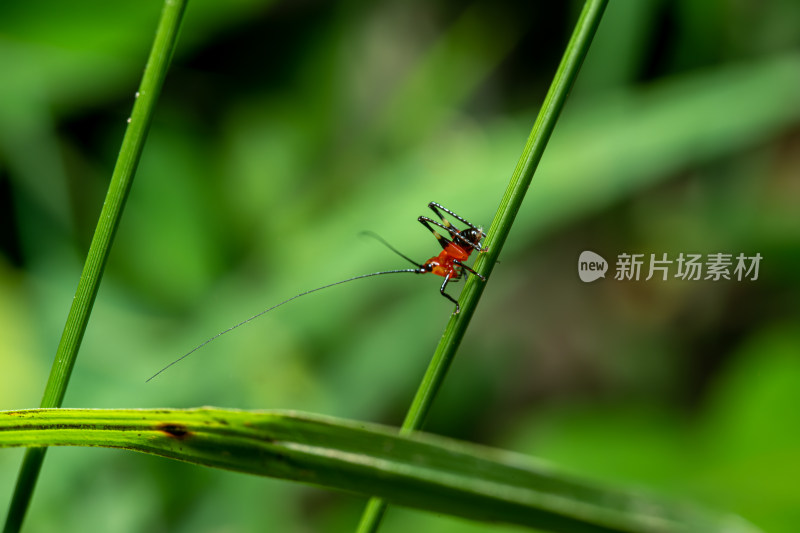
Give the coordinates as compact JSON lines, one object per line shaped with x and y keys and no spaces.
{"x":175,"y":431}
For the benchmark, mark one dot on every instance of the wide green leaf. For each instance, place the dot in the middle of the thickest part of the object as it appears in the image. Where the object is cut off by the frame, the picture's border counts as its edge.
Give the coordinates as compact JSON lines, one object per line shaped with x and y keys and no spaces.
{"x":420,"y":471}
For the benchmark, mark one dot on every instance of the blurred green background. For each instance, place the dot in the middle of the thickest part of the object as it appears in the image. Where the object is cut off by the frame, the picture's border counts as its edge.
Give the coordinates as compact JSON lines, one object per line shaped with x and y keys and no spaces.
{"x":285,"y":129}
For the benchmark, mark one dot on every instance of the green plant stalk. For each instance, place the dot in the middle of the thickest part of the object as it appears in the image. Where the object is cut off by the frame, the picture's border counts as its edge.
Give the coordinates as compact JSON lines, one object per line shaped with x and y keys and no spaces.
{"x":565,"y":76}
{"x":420,"y":471}
{"x":119,"y":187}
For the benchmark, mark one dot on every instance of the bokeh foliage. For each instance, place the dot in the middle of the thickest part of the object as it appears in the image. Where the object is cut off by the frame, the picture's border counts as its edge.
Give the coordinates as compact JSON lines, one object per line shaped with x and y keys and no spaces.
{"x":286,"y":129}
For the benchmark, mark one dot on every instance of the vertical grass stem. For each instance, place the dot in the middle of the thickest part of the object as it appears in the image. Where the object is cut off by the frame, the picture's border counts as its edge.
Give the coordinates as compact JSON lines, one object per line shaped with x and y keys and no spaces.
{"x":565,"y":76}
{"x":132,"y":144}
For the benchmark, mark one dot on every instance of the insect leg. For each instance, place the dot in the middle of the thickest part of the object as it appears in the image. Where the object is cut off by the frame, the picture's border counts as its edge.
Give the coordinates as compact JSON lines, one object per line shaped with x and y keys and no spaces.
{"x":441,"y":290}
{"x":468,"y":269}
{"x":443,"y":242}
{"x":435,"y":208}
{"x":456,"y":234}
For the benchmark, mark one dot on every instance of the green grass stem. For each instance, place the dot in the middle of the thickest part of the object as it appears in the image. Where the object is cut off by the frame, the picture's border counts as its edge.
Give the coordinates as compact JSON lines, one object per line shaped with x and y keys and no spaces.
{"x":121,"y":180}
{"x":565,"y":76}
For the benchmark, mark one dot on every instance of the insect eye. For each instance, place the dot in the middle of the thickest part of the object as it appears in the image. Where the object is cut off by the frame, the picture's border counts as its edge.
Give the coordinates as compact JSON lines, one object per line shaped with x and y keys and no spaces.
{"x":471,"y":235}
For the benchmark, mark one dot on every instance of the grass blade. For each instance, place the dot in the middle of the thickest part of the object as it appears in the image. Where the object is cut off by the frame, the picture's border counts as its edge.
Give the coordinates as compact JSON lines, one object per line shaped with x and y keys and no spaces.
{"x":420,"y":471}
{"x":564,"y":78}
{"x":119,"y":187}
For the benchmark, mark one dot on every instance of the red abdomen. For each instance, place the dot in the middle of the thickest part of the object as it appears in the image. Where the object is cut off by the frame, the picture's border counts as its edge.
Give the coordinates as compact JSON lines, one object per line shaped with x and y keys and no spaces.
{"x":444,"y":263}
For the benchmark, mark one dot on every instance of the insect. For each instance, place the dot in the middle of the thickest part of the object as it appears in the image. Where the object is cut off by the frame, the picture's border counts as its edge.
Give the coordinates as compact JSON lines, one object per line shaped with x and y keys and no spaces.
{"x":449,"y":264}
